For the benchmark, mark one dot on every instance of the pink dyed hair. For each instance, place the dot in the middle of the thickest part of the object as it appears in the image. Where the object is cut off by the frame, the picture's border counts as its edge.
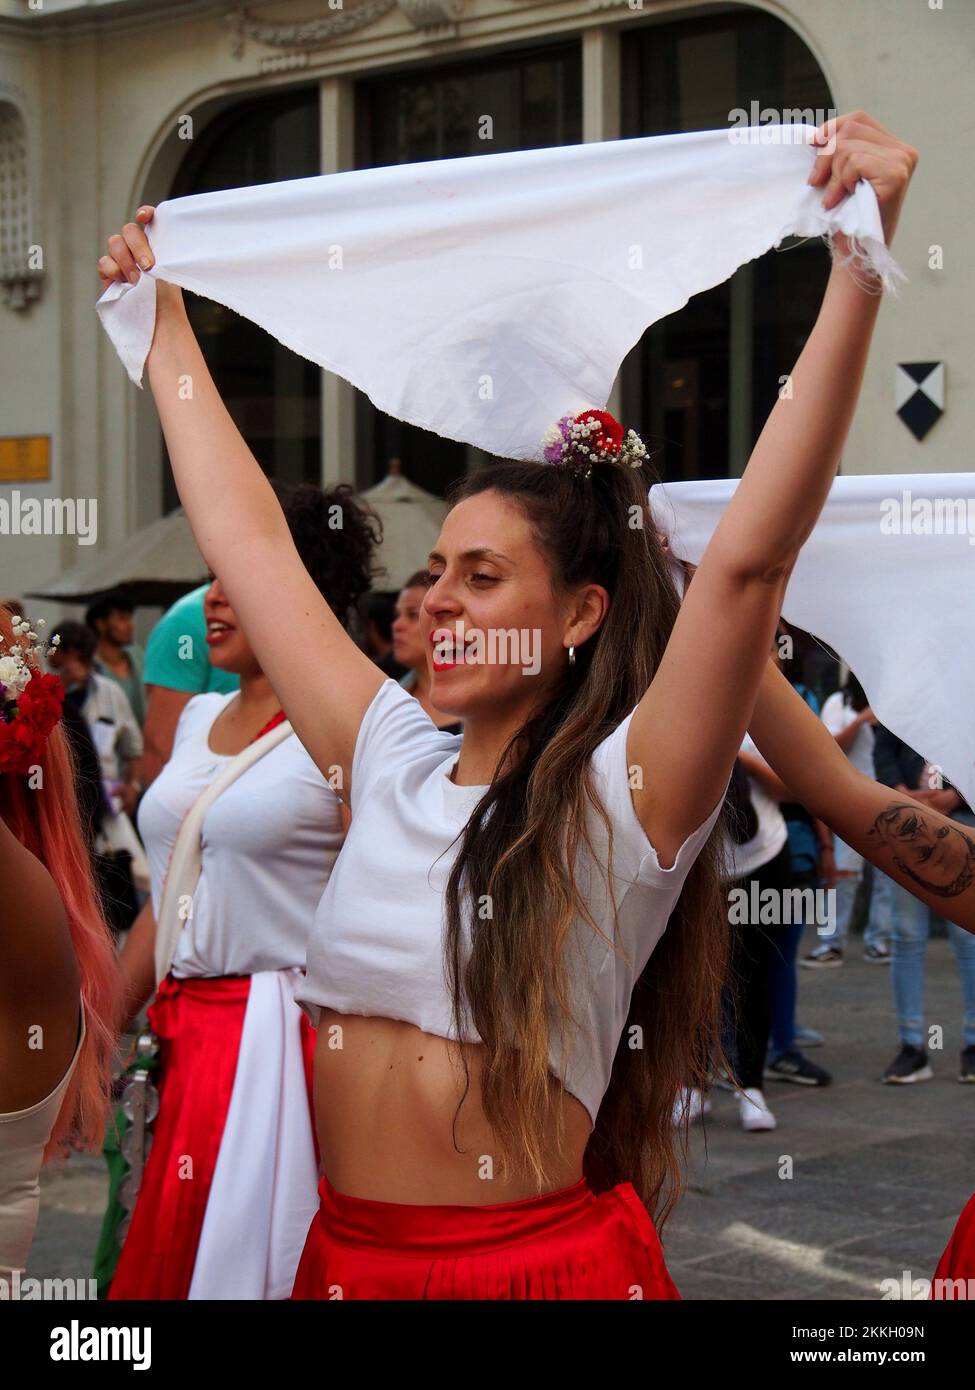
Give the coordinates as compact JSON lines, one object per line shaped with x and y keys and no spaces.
{"x":46,"y":822}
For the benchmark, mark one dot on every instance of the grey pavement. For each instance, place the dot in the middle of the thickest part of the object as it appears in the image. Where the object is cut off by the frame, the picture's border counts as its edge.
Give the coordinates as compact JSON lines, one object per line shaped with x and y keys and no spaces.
{"x":879,"y":1172}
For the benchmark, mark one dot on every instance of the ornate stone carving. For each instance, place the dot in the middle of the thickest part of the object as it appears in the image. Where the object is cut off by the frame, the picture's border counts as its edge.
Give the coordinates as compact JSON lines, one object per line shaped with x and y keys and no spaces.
{"x":345,"y":18}
{"x":20,"y":283}
{"x":305,"y":33}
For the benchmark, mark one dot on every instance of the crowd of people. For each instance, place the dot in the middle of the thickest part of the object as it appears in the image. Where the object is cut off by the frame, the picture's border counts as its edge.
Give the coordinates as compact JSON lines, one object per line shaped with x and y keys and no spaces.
{"x":440,"y":969}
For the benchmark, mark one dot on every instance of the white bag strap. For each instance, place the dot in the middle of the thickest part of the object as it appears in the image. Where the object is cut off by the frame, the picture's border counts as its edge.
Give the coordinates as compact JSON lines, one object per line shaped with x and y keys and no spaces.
{"x":186,"y":860}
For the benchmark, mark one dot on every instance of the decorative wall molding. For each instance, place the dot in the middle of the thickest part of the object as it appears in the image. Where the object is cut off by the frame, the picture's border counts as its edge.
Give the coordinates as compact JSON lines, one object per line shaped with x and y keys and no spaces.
{"x":303,"y":34}
{"x":20,"y":283}
{"x":436,"y":18}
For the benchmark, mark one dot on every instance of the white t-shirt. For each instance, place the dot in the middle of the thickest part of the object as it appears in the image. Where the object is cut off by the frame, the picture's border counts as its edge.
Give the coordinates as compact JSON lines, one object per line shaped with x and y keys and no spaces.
{"x":377,"y":944}
{"x":838,"y":715}
{"x":772,"y":833}
{"x":269,"y":843}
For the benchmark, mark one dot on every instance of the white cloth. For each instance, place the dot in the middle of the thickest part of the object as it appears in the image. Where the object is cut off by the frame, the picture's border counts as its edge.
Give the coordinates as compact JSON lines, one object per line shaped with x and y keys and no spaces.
{"x":269,"y":842}
{"x":771,"y":834}
{"x":484,"y":298}
{"x":264,"y":1192}
{"x":377,"y":944}
{"x":889,"y":596}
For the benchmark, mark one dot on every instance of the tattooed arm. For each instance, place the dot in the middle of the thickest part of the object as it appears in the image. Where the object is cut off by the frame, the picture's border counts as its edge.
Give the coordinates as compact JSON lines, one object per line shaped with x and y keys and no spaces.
{"x":929,"y":854}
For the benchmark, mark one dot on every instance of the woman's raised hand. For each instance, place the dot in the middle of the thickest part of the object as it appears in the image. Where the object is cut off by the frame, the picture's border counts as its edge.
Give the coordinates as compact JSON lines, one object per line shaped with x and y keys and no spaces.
{"x":129,"y":252}
{"x":858,"y":147}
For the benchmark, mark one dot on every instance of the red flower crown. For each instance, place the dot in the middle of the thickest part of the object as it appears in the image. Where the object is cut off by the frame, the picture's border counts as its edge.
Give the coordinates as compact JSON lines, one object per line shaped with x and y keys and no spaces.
{"x":30,"y":701}
{"x":592,"y":437}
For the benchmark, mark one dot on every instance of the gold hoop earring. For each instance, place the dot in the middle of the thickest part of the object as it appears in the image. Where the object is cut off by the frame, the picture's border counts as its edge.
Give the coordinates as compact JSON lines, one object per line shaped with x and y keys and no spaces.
{"x":572,"y":656}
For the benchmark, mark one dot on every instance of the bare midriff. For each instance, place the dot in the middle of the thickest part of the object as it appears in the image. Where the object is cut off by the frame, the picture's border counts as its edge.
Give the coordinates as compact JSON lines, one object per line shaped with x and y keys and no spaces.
{"x":386,"y":1103}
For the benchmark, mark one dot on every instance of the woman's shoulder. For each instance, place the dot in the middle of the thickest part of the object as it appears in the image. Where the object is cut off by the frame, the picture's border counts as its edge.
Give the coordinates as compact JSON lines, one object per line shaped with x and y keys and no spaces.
{"x":396,"y":732}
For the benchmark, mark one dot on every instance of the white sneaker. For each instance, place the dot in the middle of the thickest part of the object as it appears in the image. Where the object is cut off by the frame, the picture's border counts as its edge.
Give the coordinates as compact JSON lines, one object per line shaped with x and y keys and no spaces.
{"x":694,"y":1103}
{"x":754,"y":1113}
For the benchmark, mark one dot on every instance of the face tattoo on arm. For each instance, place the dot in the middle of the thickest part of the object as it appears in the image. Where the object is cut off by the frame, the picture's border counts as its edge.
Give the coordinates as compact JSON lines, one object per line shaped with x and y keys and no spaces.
{"x":939,"y":858}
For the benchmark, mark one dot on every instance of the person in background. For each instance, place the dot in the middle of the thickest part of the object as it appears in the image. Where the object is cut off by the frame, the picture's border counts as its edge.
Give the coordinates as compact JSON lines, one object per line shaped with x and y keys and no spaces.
{"x":898,"y":766}
{"x":411,"y":651}
{"x":117,"y":657}
{"x":177,"y":667}
{"x":851,"y":722}
{"x":811,"y":856}
{"x":377,"y":610}
{"x":118,"y":744}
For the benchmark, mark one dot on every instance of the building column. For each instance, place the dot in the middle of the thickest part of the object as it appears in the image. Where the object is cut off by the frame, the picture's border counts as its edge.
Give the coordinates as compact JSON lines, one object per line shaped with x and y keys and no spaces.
{"x":601,"y":112}
{"x":337,"y":126}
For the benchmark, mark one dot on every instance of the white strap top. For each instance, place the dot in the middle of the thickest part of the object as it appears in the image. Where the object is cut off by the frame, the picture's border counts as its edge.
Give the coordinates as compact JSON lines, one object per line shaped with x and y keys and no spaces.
{"x":23,"y":1136}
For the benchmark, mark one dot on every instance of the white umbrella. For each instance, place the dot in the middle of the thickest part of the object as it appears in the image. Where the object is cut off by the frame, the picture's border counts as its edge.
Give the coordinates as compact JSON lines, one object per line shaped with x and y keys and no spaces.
{"x":411,"y":521}
{"x":155,"y":565}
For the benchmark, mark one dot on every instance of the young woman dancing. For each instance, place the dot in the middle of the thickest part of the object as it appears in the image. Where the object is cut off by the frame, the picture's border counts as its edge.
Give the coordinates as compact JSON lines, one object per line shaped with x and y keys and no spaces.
{"x":59,"y":983}
{"x":497,"y":1065}
{"x":234,"y":1100}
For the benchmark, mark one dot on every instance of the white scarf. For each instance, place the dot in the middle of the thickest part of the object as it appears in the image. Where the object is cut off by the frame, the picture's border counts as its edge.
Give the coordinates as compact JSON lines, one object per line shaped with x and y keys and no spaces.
{"x":484,"y":298}
{"x":887,"y":579}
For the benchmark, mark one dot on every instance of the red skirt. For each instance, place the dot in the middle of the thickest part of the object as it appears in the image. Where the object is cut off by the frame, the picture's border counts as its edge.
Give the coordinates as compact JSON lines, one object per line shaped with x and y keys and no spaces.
{"x":958,"y":1261}
{"x":570,"y":1244}
{"x":199,"y":1023}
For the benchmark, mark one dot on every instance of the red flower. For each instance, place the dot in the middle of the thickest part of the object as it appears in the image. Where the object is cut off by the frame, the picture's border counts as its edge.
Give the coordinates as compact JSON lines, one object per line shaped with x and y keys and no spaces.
{"x":608,"y":438}
{"x":23,"y":740}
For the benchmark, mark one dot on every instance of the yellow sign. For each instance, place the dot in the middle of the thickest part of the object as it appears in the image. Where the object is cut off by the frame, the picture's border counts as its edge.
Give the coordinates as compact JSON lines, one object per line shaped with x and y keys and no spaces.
{"x":25,"y":458}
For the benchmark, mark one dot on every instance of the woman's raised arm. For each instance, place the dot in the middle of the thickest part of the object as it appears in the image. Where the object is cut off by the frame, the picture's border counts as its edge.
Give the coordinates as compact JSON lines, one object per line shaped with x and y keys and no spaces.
{"x":325,"y":683}
{"x":688,"y":727}
{"x":929,"y":854}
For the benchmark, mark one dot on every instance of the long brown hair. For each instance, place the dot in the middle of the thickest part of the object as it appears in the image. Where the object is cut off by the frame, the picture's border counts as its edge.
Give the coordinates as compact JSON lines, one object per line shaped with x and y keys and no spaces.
{"x":519,"y":849}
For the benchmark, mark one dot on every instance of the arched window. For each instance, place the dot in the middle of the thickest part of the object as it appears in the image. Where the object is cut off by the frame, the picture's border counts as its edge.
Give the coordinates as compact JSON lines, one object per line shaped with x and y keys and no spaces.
{"x":20,"y":282}
{"x":273,"y":394}
{"x":700,"y":384}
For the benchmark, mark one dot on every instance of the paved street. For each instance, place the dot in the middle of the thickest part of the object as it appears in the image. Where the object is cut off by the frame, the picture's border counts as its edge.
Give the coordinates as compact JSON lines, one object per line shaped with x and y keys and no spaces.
{"x":879,"y":1172}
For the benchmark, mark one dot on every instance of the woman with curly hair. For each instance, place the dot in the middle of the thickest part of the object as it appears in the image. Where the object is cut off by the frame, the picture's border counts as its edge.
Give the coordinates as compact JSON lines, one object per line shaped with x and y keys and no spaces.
{"x":59,"y":983}
{"x":234,"y":1133}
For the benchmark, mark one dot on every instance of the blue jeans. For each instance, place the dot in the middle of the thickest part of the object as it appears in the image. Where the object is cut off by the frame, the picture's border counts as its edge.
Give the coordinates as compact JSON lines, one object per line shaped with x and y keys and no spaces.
{"x":849,"y":865}
{"x":909,"y":940}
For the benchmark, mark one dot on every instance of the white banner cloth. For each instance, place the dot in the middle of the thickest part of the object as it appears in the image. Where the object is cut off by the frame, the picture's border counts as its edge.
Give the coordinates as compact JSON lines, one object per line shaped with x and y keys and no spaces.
{"x":484,"y":298}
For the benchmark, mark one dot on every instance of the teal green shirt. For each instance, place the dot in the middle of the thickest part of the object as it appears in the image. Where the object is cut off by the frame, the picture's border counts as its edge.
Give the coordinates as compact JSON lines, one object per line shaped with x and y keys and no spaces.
{"x":177,"y":655}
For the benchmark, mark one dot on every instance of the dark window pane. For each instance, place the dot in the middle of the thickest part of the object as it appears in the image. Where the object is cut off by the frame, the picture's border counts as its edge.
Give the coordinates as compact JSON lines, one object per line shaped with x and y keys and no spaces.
{"x":273,"y":394}
{"x":699,"y":384}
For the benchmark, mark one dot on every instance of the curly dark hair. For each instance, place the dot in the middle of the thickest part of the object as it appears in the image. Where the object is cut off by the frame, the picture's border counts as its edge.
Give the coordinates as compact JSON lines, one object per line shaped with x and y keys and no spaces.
{"x":335,"y":533}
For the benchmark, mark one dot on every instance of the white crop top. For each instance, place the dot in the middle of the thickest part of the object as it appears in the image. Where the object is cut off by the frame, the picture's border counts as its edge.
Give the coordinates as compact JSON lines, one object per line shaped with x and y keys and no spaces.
{"x":377,"y":944}
{"x":23,"y":1138}
{"x":269,"y":843}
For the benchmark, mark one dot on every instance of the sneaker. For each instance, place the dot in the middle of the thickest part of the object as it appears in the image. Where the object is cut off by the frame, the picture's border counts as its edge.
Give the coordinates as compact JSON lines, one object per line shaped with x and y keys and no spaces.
{"x":878,"y":954}
{"x":823,"y":958}
{"x":753,"y":1111}
{"x":808,"y":1037}
{"x":967,"y":1071}
{"x":694,"y":1103}
{"x":910,"y":1064}
{"x":792,"y":1066}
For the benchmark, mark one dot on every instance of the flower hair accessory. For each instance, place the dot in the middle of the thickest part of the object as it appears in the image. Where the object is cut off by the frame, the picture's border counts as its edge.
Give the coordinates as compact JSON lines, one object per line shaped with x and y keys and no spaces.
{"x":592,"y":437}
{"x":30,"y":699}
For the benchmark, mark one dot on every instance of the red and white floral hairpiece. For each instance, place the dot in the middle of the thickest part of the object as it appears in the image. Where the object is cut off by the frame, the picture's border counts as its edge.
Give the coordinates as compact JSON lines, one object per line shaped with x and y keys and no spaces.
{"x":30,"y":699}
{"x":592,"y":437}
